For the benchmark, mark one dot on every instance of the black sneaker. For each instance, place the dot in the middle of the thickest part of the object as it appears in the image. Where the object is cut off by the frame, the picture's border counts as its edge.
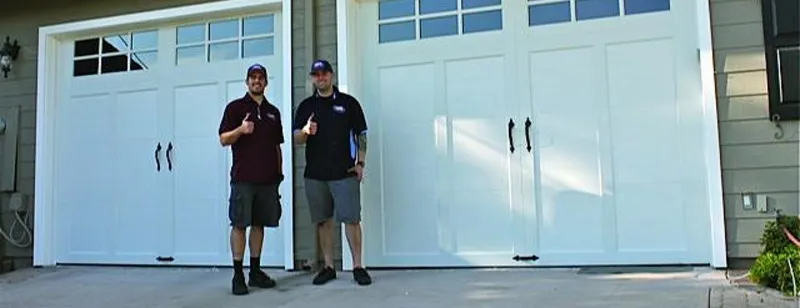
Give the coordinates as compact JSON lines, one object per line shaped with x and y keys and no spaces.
{"x":261,"y":280}
{"x":361,"y":276}
{"x":325,"y":275}
{"x":238,"y":287}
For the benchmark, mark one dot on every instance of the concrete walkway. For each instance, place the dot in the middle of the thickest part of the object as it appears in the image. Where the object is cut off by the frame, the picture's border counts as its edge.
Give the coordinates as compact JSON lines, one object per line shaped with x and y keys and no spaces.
{"x":87,"y":287}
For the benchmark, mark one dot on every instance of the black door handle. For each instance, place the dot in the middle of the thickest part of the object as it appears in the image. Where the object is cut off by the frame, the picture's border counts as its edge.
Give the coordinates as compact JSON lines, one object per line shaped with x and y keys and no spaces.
{"x":510,"y":138}
{"x":169,"y":159}
{"x":157,"y":154}
{"x":528,"y":133}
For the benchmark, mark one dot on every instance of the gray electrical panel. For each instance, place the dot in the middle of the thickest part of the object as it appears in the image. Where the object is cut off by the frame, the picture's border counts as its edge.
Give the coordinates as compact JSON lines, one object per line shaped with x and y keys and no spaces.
{"x":9,"y":136}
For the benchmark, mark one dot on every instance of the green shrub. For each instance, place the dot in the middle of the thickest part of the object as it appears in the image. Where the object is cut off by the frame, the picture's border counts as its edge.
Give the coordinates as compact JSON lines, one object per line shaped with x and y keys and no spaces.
{"x":771,"y":268}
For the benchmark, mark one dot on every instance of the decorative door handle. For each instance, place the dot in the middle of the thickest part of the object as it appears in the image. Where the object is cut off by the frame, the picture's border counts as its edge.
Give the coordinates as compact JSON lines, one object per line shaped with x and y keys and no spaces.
{"x":157,"y":154}
{"x":528,"y":133}
{"x":169,"y":158}
{"x":510,"y":138}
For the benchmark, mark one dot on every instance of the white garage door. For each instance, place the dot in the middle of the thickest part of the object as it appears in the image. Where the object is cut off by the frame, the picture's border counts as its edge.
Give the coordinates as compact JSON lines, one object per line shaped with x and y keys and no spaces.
{"x":140,"y":174}
{"x":568,"y":130}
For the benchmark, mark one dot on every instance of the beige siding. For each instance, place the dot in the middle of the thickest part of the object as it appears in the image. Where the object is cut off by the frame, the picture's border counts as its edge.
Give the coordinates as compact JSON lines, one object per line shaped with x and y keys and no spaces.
{"x":753,"y":160}
{"x":20,"y":88}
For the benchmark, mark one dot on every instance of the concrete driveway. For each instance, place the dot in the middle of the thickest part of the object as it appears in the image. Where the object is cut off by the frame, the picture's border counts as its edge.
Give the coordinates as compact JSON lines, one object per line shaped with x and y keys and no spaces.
{"x":85,"y":287}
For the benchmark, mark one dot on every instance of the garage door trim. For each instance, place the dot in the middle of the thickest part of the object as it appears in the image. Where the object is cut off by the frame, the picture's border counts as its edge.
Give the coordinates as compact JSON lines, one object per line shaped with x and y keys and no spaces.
{"x":349,"y":81}
{"x":50,"y":37}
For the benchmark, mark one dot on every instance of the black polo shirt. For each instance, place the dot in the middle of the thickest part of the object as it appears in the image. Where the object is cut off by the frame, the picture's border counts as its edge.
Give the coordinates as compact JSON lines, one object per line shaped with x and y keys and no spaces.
{"x":332,"y":151}
{"x":255,"y":156}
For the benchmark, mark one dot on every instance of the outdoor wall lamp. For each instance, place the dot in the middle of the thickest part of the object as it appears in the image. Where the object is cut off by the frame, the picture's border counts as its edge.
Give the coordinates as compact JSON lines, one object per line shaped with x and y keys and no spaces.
{"x":8,"y":54}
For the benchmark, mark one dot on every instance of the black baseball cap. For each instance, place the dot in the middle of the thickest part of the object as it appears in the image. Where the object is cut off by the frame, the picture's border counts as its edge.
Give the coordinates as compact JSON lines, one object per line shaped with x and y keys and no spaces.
{"x":321,"y":66}
{"x":257,"y":68}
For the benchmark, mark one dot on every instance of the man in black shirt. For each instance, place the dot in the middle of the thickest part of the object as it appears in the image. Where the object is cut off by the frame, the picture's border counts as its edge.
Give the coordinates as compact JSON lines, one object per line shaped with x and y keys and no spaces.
{"x":332,"y":124}
{"x":252,"y":127}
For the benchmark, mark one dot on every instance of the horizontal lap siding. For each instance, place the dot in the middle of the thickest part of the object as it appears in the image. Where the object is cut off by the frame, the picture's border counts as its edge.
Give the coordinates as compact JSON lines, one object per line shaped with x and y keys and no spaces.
{"x":753,"y":160}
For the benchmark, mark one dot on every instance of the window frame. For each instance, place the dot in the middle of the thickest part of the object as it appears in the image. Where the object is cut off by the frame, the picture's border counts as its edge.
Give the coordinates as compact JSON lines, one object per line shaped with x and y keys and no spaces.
{"x":778,"y":110}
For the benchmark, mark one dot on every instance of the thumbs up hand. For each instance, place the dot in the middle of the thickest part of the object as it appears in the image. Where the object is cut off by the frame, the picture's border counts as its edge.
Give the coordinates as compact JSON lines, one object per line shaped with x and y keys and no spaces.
{"x":311,"y":126}
{"x":247,"y":126}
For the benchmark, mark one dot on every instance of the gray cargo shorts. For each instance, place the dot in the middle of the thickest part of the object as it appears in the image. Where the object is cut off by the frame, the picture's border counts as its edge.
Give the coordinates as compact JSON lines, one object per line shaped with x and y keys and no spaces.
{"x":339,"y":199}
{"x":254,"y":205}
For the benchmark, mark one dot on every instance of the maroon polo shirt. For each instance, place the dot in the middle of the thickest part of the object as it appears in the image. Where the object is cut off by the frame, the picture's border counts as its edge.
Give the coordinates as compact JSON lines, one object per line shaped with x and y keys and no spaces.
{"x":255,"y":155}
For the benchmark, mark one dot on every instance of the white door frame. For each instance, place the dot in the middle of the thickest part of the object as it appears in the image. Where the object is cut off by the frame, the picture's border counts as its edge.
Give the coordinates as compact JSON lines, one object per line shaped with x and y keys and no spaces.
{"x":45,"y":237}
{"x":348,"y":49}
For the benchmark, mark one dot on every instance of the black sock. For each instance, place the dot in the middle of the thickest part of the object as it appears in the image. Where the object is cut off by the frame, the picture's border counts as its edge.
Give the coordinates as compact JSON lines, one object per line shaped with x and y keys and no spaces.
{"x":237,"y":267}
{"x":255,"y":264}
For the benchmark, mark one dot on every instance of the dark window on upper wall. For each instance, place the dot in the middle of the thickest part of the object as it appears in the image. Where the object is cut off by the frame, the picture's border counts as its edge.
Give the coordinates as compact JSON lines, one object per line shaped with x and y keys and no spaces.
{"x":782,"y":48}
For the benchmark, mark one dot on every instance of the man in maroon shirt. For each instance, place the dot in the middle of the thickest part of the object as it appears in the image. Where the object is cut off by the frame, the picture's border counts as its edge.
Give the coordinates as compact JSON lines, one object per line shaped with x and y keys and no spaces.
{"x":252,"y":127}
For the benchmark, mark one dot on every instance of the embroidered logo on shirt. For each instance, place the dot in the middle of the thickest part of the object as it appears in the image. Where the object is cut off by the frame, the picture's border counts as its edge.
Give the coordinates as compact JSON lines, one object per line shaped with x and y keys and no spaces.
{"x":338,"y":109}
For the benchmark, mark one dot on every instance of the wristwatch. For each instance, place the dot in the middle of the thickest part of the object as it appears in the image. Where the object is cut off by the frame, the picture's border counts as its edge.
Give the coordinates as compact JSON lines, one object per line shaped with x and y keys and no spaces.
{"x":361,"y":163}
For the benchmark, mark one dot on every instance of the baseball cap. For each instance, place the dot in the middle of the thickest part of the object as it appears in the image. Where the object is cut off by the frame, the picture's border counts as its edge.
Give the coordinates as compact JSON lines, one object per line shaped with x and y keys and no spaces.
{"x":321,"y":66}
{"x":257,"y":68}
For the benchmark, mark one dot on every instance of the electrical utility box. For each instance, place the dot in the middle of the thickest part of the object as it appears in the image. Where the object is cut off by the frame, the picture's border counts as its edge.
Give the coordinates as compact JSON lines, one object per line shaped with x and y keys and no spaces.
{"x":9,"y":141}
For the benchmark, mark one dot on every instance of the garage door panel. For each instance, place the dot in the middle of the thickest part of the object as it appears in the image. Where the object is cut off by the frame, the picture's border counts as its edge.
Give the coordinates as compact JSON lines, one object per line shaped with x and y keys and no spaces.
{"x":135,"y":197}
{"x":405,"y":232}
{"x":644,"y":112}
{"x":482,"y":222}
{"x":572,"y":220}
{"x":84,"y":166}
{"x":650,"y":217}
{"x":566,"y":102}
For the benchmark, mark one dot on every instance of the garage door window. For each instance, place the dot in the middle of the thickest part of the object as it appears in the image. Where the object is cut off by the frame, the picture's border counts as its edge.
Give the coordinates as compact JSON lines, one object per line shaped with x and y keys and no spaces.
{"x":405,"y":20}
{"x":229,"y":39}
{"x":121,"y":52}
{"x":543,"y":12}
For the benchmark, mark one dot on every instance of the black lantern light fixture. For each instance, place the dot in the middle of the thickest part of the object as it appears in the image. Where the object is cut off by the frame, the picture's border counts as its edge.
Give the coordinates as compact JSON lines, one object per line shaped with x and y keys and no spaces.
{"x":8,"y":54}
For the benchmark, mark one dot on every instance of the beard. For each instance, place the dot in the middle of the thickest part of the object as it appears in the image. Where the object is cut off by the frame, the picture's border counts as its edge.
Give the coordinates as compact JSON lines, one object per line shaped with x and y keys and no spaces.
{"x":256,"y":90}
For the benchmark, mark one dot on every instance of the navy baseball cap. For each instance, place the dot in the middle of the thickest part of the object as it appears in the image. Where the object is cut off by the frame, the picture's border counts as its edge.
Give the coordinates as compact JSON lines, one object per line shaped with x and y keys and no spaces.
{"x":257,"y":68}
{"x":321,"y":66}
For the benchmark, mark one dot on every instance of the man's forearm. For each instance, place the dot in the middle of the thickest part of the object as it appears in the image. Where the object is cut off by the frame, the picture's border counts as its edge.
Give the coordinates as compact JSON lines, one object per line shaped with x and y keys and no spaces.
{"x":362,"y":147}
{"x":280,"y":158}
{"x":230,"y":137}
{"x":300,"y":137}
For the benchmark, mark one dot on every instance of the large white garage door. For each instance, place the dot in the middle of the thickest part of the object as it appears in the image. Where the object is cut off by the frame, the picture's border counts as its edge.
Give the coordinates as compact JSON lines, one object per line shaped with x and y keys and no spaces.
{"x":140,"y":174}
{"x":568,"y":130}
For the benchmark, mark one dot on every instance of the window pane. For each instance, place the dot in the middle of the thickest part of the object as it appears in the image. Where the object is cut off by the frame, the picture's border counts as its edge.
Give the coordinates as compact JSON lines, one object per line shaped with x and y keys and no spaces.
{"x":468,"y":4}
{"x":438,"y":26}
{"x":223,"y":51}
{"x":645,"y":6}
{"x":145,"y":40}
{"x":114,"y":64}
{"x":191,"y":34}
{"x":395,"y":8}
{"x":789,"y":63}
{"x":224,"y":29}
{"x":116,"y":43}
{"x":258,"y":47}
{"x":542,"y":14}
{"x":398,"y":31}
{"x":87,"y":47}
{"x":436,"y":6}
{"x":786,"y":16}
{"x":85,"y":67}
{"x":143,"y":60}
{"x":483,"y":21}
{"x":591,"y":9}
{"x":190,"y":55}
{"x":255,"y":25}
